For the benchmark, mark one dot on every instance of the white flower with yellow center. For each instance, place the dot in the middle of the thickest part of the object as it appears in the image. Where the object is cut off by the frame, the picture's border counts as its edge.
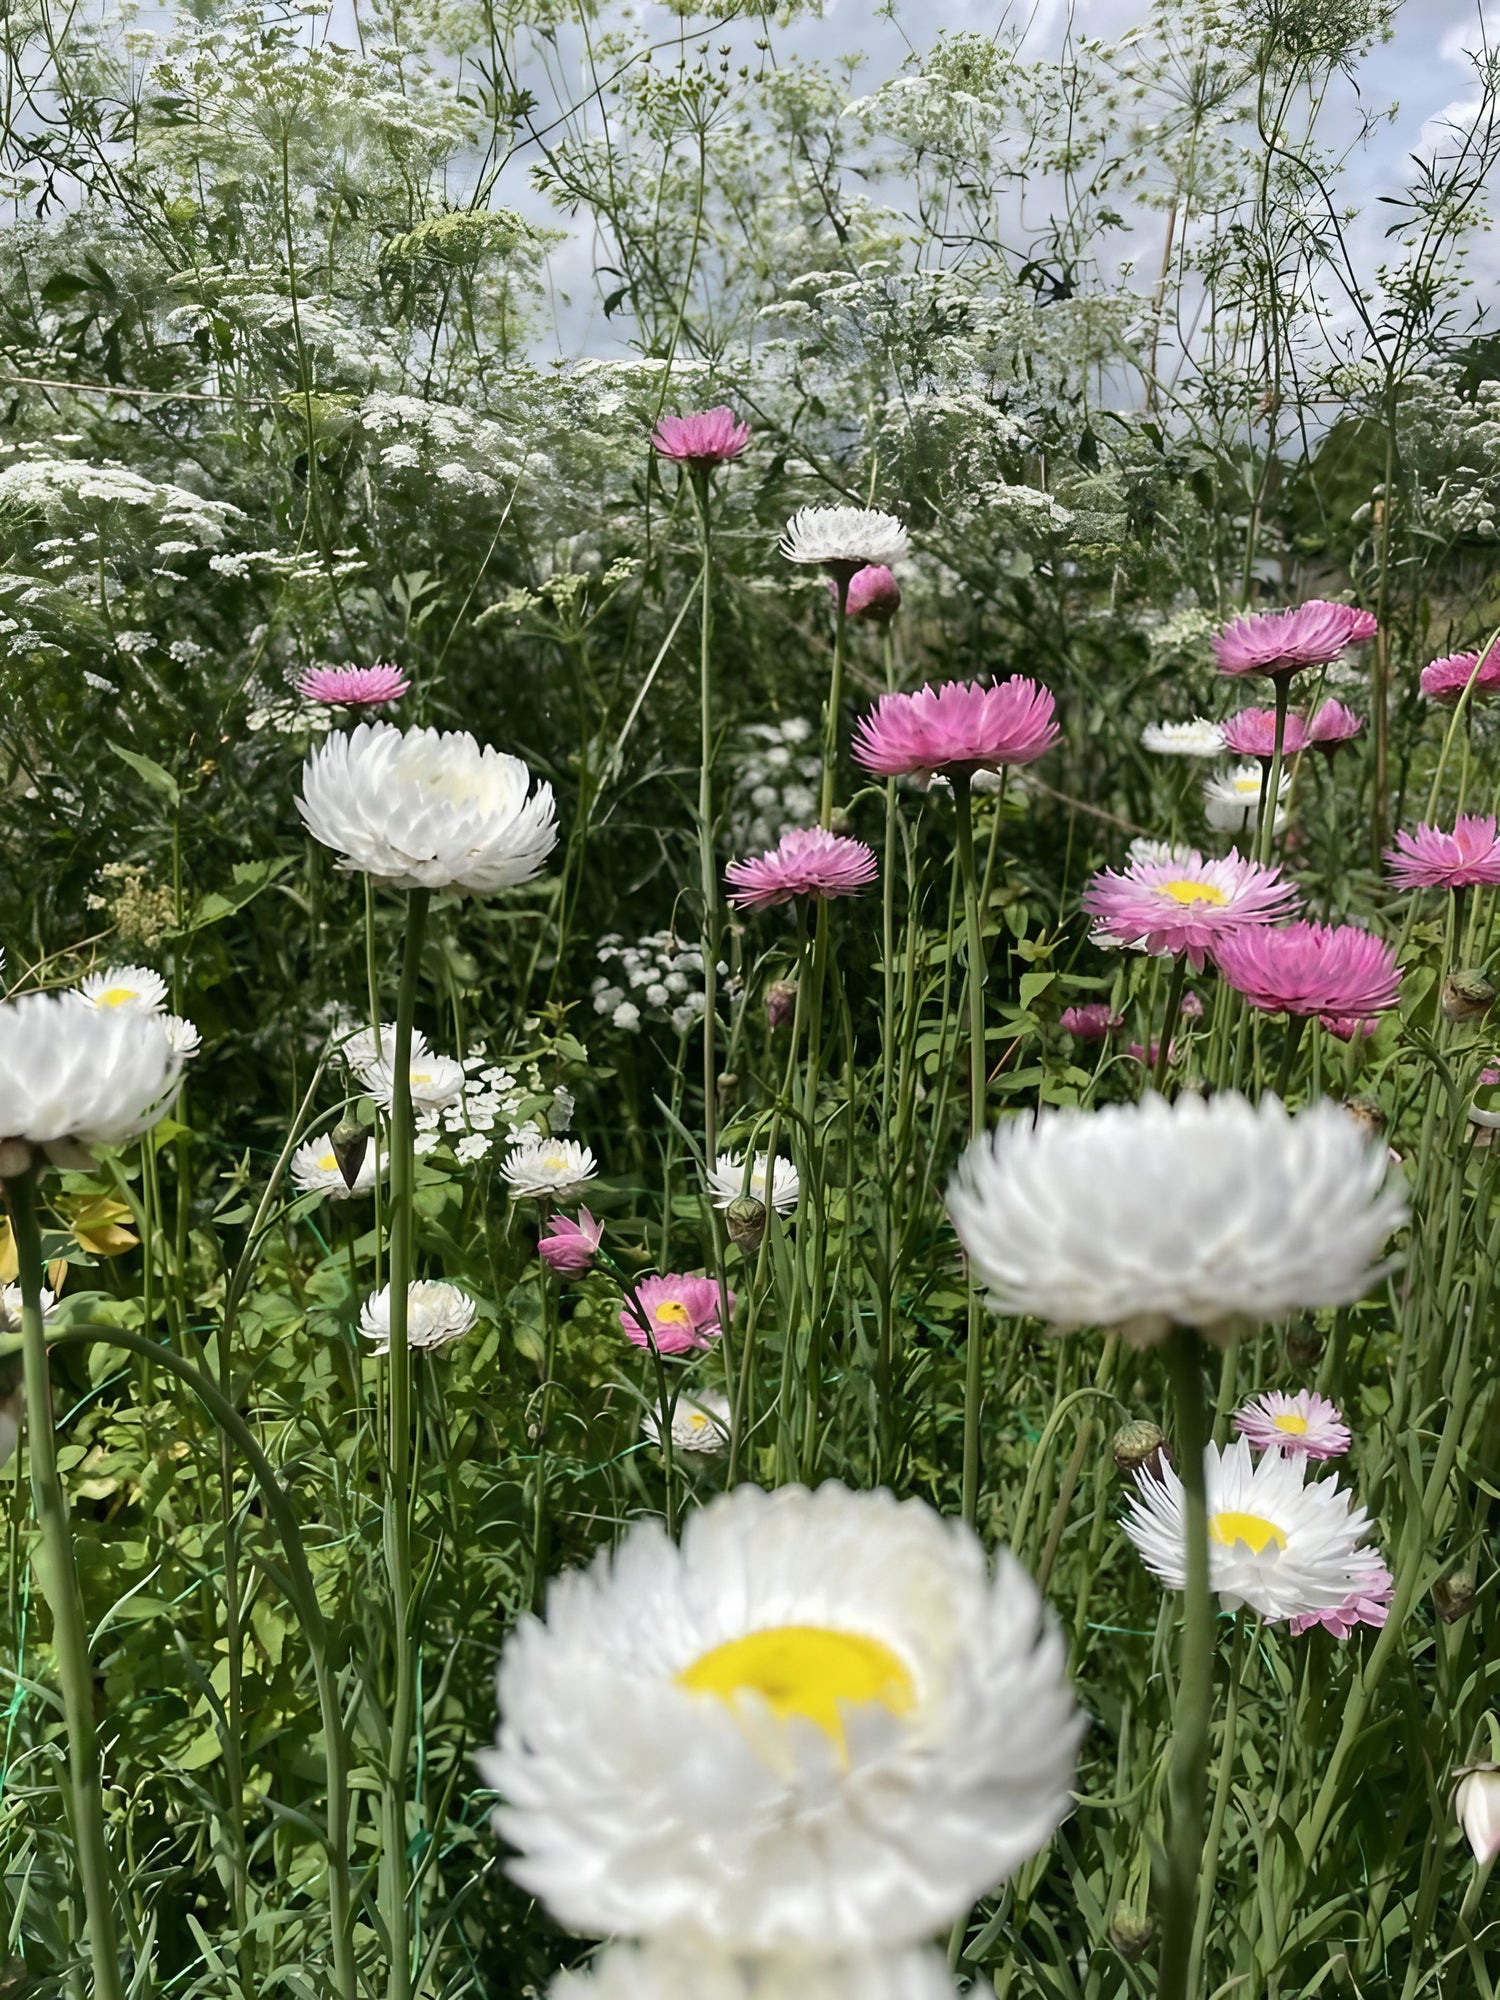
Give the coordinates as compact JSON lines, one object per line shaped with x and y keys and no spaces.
{"x":316,"y":1170}
{"x":549,"y":1169}
{"x":1231,"y":800}
{"x":75,"y":1076}
{"x":1286,"y":1546}
{"x":1198,"y":738}
{"x":668,"y":1969}
{"x":699,"y":1423}
{"x":435,"y":1081}
{"x":727,"y":1182}
{"x":817,"y":1725}
{"x":125,"y":986}
{"x":435,"y":1314}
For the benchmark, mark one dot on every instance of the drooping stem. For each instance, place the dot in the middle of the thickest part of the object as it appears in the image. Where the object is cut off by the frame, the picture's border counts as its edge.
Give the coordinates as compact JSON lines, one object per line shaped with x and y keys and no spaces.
{"x":963,"y":815}
{"x":835,"y":699}
{"x":1169,"y":1024}
{"x":1270,"y":796}
{"x":1189,"y":1749}
{"x":59,"y":1578}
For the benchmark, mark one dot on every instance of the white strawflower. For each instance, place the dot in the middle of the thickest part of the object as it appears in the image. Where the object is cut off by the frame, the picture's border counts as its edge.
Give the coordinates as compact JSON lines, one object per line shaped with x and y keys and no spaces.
{"x":1231,"y":800}
{"x":435,"y":1081}
{"x":1204,"y":1213}
{"x":1198,"y":738}
{"x":727,"y":1182}
{"x":435,"y":1314}
{"x":363,"y":1053}
{"x":1160,"y":853}
{"x":1289,"y":1547}
{"x":427,"y":809}
{"x":75,"y":1076}
{"x":549,"y":1169}
{"x":844,"y":537}
{"x":183,"y":1036}
{"x":316,"y":1170}
{"x":817,"y":1725}
{"x":699,"y":1423}
{"x":669,"y":1969}
{"x":10,"y":1308}
{"x":125,"y":986}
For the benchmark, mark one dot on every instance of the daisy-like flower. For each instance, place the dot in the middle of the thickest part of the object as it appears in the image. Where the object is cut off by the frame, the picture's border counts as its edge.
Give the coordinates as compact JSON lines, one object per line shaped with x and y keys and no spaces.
{"x":316,"y":1170}
{"x":806,"y":861}
{"x":1252,"y":733}
{"x":435,"y":1315}
{"x":1307,"y":968}
{"x":435,"y":1080}
{"x":1279,"y":642}
{"x":1095,"y":1021}
{"x":1231,"y":800}
{"x":1306,"y":1422}
{"x":1333,"y":726}
{"x":1445,"y":680}
{"x":958,"y":727}
{"x":700,"y":442}
{"x":1467,"y":858}
{"x":427,"y":809}
{"x":844,"y":540}
{"x":353,"y":687}
{"x":125,"y":986}
{"x":569,"y":1247}
{"x":1186,"y":904}
{"x":75,"y":1076}
{"x":672,"y":1969}
{"x":183,"y":1037}
{"x":1143,"y":850}
{"x":818,"y":1725}
{"x":1369,"y":1604}
{"x":1208,"y":1213}
{"x":699,"y":1423}
{"x":681,"y":1313}
{"x":10,"y":1309}
{"x":549,"y":1169}
{"x":874,"y":594}
{"x":727,"y":1182}
{"x":1286,"y":1547}
{"x":1198,"y":738}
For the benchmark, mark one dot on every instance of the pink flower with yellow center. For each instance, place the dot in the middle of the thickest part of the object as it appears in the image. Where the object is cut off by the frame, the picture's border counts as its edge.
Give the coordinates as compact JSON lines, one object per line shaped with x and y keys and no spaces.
{"x":681,"y":1313}
{"x":1445,"y":679}
{"x":1252,"y":733}
{"x":1332,"y":727}
{"x":1279,"y":642}
{"x":1467,"y":858}
{"x":1306,"y":1424}
{"x":353,"y":687}
{"x":958,"y":727}
{"x":569,"y":1247}
{"x":700,"y":442}
{"x":1369,"y":1605}
{"x":806,"y":861}
{"x":1186,"y":904}
{"x":1094,"y":1022}
{"x":1307,"y":968}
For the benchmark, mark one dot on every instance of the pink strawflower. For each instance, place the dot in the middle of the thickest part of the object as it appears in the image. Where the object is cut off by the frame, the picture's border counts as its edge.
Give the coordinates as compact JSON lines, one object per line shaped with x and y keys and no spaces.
{"x":1445,"y":680}
{"x":806,"y":861}
{"x":1348,"y":1027}
{"x":681,"y":1313}
{"x":1306,"y":1425}
{"x":1191,"y":1008}
{"x":1149,"y":1053}
{"x":1333,"y":726}
{"x":711,"y":438}
{"x":353,"y":687}
{"x":1467,"y":858}
{"x":1252,"y":733}
{"x":1306,"y":968}
{"x":960,"y":726}
{"x":1369,"y":1606}
{"x":1094,"y":1022}
{"x":1185,"y":903}
{"x":1279,"y":642}
{"x":873,"y":593}
{"x":570,"y":1248}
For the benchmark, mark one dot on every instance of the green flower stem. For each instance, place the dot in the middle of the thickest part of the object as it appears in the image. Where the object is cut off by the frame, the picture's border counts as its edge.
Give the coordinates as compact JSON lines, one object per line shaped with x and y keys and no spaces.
{"x":539,"y":1515}
{"x":1271,"y":789}
{"x":1189,"y":1751}
{"x":396,"y":1909}
{"x":707,"y":871}
{"x":58,"y":1570}
{"x":835,"y":701}
{"x":666,"y":1399}
{"x":1220,"y":1805}
{"x":963,"y":803}
{"x":1169,"y":1024}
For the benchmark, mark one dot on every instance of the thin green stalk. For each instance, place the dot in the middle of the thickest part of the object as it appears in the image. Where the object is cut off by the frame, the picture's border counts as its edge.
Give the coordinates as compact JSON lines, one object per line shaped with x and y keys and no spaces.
{"x":835,"y":700}
{"x":1295,"y":1023}
{"x":1220,"y":1805}
{"x":1271,"y":791}
{"x":708,"y":873}
{"x":978,"y":1074}
{"x":1169,"y":1024}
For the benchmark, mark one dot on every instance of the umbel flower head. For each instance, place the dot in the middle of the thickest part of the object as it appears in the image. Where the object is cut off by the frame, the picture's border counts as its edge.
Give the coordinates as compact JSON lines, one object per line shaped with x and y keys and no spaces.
{"x":548,"y":1169}
{"x":316,"y":1170}
{"x":958,"y":727}
{"x":1467,"y":858}
{"x":1210,"y":1213}
{"x":1307,"y":968}
{"x":675,"y":1969}
{"x":728,"y":1181}
{"x":427,"y":809}
{"x":353,"y":687}
{"x":818,"y":1725}
{"x":1287,"y":1547}
{"x":700,"y":442}
{"x":125,"y":986}
{"x":699,"y":1423}
{"x":681,"y":1313}
{"x":843,"y":540}
{"x":1445,"y":680}
{"x":74,"y":1076}
{"x":1198,"y":738}
{"x":1252,"y":733}
{"x":806,"y":861}
{"x":1279,"y":642}
{"x":1306,"y":1424}
{"x":435,"y":1315}
{"x":1231,"y":799}
{"x":1186,"y":903}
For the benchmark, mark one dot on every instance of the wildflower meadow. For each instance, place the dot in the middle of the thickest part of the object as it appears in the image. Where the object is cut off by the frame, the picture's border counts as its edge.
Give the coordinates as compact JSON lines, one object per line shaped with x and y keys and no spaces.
{"x":749,"y":1061}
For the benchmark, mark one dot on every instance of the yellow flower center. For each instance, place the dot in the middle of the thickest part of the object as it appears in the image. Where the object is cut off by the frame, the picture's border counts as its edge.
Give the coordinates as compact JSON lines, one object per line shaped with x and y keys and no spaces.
{"x":1254,"y":1530}
{"x":671,"y":1312}
{"x":805,"y":1670}
{"x":1295,"y":1425}
{"x":697,"y":1421}
{"x":1248,"y":784}
{"x":556,"y":1163}
{"x":327,"y":1163}
{"x":115,"y":996}
{"x":421,"y":1076}
{"x":1184,"y":891}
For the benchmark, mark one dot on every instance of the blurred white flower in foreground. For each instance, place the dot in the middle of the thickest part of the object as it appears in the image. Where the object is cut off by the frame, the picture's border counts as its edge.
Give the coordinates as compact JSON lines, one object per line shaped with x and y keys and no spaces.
{"x":674,"y":1970}
{"x":74,"y":1076}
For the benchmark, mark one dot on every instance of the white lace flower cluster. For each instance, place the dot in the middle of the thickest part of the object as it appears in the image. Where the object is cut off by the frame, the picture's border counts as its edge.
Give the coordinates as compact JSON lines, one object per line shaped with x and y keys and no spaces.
{"x":469,"y":1105}
{"x":773,"y":783}
{"x":659,"y":976}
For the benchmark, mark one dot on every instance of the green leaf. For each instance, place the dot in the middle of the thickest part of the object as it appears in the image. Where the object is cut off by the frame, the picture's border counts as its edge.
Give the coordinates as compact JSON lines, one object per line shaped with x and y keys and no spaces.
{"x":158,"y":779}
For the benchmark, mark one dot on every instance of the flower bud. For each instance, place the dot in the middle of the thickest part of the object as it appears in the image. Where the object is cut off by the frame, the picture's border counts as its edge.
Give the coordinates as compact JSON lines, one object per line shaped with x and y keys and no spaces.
{"x":874,"y":594}
{"x":1131,"y":1932}
{"x":841,"y":823}
{"x":727,"y":1084}
{"x":781,"y":1003}
{"x":1453,"y":1595}
{"x":745,"y":1219}
{"x":1304,"y":1344}
{"x":1467,"y":996}
{"x":349,"y":1141}
{"x":1138,"y":1445}
{"x":1477,"y":1803}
